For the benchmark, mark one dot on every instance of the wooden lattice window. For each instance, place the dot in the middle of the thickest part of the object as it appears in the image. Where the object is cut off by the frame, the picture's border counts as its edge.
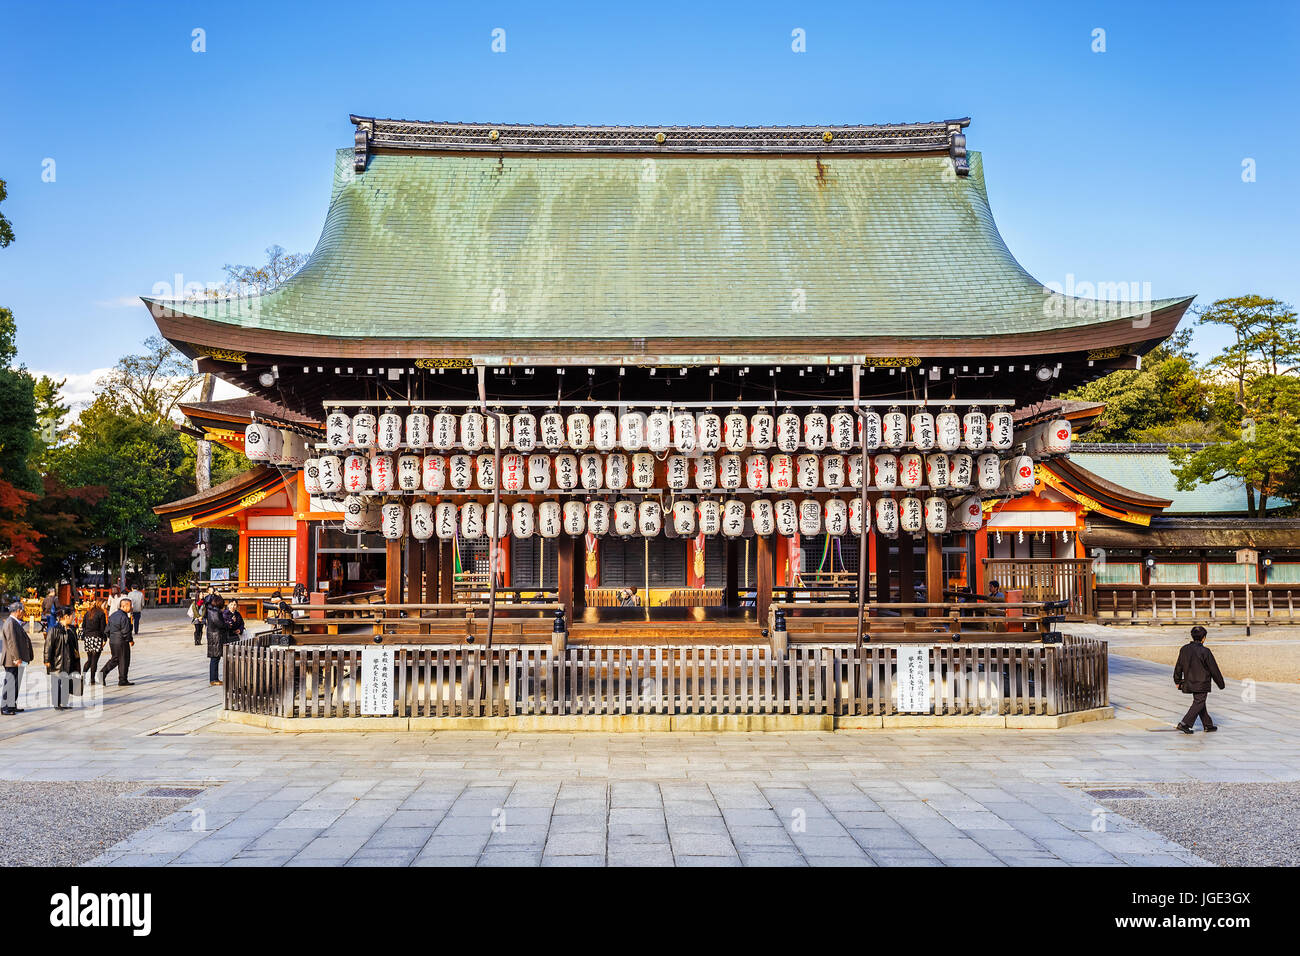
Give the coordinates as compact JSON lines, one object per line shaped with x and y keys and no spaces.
{"x":268,"y":560}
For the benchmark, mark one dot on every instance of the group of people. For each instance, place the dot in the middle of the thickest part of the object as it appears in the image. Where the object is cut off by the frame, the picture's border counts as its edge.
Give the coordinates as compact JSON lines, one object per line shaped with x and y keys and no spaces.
{"x":223,"y":624}
{"x":103,"y":623}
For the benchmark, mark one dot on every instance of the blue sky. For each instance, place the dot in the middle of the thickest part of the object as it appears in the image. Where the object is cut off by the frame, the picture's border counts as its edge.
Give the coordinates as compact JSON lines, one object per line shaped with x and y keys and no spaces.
{"x":1108,"y":166}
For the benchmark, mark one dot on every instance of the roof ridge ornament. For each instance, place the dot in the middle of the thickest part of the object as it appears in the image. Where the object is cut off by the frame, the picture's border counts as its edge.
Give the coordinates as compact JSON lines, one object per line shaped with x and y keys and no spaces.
{"x":361,"y":143}
{"x":957,"y":147}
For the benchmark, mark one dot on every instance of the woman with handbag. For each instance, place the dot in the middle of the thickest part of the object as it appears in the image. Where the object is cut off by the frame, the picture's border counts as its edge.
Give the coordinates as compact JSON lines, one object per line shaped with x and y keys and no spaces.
{"x":94,"y":632}
{"x":62,"y":662}
{"x":214,"y":619}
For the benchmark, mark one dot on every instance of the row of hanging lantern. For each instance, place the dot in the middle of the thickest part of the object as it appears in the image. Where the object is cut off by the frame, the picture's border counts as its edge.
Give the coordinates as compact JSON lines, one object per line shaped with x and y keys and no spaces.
{"x":275,"y":446}
{"x":680,"y":429}
{"x":332,"y":475}
{"x":685,"y":517}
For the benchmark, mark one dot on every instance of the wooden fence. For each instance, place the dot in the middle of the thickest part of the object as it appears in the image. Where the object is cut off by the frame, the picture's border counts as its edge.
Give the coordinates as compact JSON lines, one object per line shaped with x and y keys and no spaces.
{"x":468,"y":681}
{"x":1045,"y":579}
{"x":1198,"y":604}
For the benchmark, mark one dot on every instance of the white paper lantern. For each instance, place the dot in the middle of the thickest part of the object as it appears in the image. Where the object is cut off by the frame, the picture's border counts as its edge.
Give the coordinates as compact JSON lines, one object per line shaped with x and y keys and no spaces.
{"x":787,"y":431}
{"x":383,"y":475}
{"x":841,"y":426}
{"x":785,"y":511}
{"x":887,"y":516}
{"x":807,"y":471}
{"x":733,"y":517}
{"x":393,"y":523}
{"x":975,"y":429}
{"x":989,"y":468}
{"x":650,"y":518}
{"x":577,"y":428}
{"x":331,"y":475}
{"x":496,"y":521}
{"x":969,"y":514}
{"x":485,"y":472}
{"x":911,"y":515}
{"x":833,"y":471}
{"x":552,"y":429}
{"x":684,"y":436}
{"x":781,"y":475}
{"x":855,"y":515}
{"x":444,"y":430}
{"x":444,"y":520}
{"x":550,"y":519}
{"x":417,"y":430}
{"x":1018,"y":474}
{"x":389,"y":436}
{"x":643,"y":470}
{"x":708,"y":431}
{"x":855,"y":471}
{"x":706,"y":473}
{"x":356,"y":473}
{"x":870,"y":431}
{"x":624,"y":517}
{"x":893,"y":429}
{"x":631,"y":431}
{"x":575,"y":519}
{"x":604,"y":430}
{"x":524,"y":429}
{"x":473,"y":430}
{"x":810,"y":517}
{"x":911,"y":470}
{"x":762,"y":430}
{"x":354,"y":513}
{"x":460,"y":471}
{"x":835,"y":515}
{"x":616,"y":472}
{"x":756,"y":472}
{"x":421,"y":517}
{"x":938,"y":470}
{"x":684,"y":517}
{"x":433,"y":473}
{"x":311,"y":477}
{"x":658,"y":431}
{"x":566,"y":472}
{"x":338,"y":430}
{"x":709,"y":513}
{"x":1056,"y":437}
{"x":735,"y":430}
{"x":523,"y":519}
{"x":1002,"y":430}
{"x":598,"y":515}
{"x":884,"y":471}
{"x":275,"y":451}
{"x":922,"y":425}
{"x":677,"y":471}
{"x":763,"y":517}
{"x":936,"y":515}
{"x":364,"y":426}
{"x":293,"y":451}
{"x":257,"y":442}
{"x":408,"y":473}
{"x":961,"y":471}
{"x":374,"y":514}
{"x":591,"y":472}
{"x":514,"y":472}
{"x":497,"y":417}
{"x":948,"y":429}
{"x":471,"y":520}
{"x":539,"y":472}
{"x":731,"y":473}
{"x":816,"y":427}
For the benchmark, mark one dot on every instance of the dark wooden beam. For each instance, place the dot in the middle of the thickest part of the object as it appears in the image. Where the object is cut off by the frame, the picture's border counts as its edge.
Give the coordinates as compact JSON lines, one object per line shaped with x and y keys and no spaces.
{"x":934,"y":571}
{"x":564,"y":574}
{"x":393,"y":571}
{"x":731,"y":587}
{"x":766,"y":559}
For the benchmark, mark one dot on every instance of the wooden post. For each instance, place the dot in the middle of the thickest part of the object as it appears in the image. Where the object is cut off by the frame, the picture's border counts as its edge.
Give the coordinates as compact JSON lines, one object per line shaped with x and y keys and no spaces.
{"x":906,"y":562}
{"x":393,"y":571}
{"x":446,"y":574}
{"x":934,"y":572}
{"x":564,"y":575}
{"x":431,"y":570}
{"x":764,"y":583}
{"x":731,"y":588}
{"x":882,"y":566}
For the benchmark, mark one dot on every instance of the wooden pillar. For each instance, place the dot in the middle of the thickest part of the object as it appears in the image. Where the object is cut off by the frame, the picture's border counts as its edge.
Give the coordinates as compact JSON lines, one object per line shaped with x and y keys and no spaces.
{"x":906,"y":590}
{"x":393,"y":571}
{"x":431,"y":569}
{"x":446,"y":573}
{"x":568,"y":545}
{"x":882,"y":567}
{"x":765,"y":562}
{"x":414,"y":571}
{"x":934,"y":572}
{"x":731,"y":587}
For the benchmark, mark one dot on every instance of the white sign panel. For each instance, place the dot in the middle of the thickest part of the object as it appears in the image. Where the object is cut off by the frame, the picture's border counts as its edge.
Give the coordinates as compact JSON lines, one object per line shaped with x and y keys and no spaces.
{"x":376,"y":681}
{"x":913,"y":679}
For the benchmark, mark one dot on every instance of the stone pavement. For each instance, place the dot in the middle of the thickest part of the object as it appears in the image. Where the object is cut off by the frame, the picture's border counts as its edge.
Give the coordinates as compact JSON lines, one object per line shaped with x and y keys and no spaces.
{"x":883,"y":797}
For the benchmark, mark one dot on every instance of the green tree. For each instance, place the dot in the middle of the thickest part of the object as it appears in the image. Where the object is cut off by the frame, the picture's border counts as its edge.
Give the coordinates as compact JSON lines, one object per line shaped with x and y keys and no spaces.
{"x":6,"y":228}
{"x":150,"y":384}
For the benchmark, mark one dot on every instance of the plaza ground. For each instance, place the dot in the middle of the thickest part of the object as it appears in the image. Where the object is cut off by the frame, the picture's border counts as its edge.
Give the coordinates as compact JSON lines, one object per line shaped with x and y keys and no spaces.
{"x":885,"y":797}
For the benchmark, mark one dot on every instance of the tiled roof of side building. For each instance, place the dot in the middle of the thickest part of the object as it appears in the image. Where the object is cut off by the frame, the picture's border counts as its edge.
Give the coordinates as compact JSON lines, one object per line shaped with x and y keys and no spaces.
{"x":1147,"y":468}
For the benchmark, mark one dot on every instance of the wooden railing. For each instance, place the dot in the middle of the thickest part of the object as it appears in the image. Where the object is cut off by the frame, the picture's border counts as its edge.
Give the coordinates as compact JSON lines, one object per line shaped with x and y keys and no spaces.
{"x":1045,"y":579}
{"x":448,"y":623}
{"x":836,"y":621}
{"x":468,"y":681}
{"x":1198,"y":604}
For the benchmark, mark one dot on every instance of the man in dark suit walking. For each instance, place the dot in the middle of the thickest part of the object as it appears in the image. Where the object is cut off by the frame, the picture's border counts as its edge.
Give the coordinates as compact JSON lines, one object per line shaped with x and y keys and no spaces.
{"x":15,"y":655}
{"x":121,"y":635}
{"x":1195,"y":669}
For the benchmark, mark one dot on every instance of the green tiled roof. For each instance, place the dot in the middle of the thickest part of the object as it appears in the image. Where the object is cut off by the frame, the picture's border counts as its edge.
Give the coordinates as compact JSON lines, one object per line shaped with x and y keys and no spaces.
{"x":1151,"y":472}
{"x":467,"y":246}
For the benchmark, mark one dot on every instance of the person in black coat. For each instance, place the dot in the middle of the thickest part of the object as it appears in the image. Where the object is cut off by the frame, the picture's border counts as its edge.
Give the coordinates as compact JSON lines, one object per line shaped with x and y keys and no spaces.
{"x":214,"y":619}
{"x":62,"y":662}
{"x":94,"y":632}
{"x":1195,"y":669}
{"x":121,"y":637}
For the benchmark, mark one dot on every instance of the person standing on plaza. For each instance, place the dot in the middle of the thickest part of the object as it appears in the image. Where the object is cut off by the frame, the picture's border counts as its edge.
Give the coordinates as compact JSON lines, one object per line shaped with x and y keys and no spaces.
{"x":16,"y":654}
{"x":1195,"y":669}
{"x":121,"y":636}
{"x":62,"y":661}
{"x":48,"y":607}
{"x":215,"y":620}
{"x":196,"y":616}
{"x":137,"y":606}
{"x":94,"y":632}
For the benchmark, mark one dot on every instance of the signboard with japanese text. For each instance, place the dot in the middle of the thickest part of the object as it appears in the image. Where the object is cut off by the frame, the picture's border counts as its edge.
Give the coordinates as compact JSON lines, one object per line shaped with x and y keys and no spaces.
{"x":913,"y":679}
{"x":376,"y":681}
